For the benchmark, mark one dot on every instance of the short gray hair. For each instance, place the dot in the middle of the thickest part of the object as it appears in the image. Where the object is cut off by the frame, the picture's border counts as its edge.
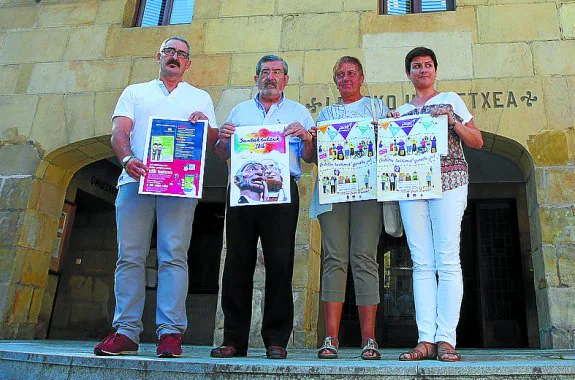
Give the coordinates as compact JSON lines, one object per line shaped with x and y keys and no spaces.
{"x":271,"y":58}
{"x":177,"y":38}
{"x":347,"y":59}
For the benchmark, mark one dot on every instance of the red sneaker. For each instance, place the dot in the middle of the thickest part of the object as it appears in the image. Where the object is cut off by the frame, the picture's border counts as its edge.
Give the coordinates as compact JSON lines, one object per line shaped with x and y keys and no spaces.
{"x":170,"y":346}
{"x":116,"y":344}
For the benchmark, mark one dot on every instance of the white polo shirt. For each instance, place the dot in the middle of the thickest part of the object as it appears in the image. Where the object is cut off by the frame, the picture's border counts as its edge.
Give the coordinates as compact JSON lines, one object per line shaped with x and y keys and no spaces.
{"x":142,"y":100}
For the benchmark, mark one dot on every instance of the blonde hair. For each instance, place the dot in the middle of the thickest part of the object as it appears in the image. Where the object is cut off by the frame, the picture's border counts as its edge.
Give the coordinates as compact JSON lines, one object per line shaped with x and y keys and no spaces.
{"x":347,"y":59}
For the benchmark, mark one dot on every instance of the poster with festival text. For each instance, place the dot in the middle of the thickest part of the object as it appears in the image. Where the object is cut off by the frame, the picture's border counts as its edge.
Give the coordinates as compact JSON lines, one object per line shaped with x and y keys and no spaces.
{"x":346,"y":160}
{"x":174,"y":154}
{"x":408,"y":157}
{"x":259,"y":169}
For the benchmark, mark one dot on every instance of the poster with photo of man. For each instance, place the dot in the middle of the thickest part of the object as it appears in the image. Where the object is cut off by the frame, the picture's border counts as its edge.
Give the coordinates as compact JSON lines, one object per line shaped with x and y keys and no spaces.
{"x":259,"y":172}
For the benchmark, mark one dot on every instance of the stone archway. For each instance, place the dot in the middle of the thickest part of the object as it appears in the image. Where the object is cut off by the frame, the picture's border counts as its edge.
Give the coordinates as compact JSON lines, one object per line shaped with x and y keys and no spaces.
{"x":35,"y":192}
{"x":548,"y":168}
{"x":498,"y":265}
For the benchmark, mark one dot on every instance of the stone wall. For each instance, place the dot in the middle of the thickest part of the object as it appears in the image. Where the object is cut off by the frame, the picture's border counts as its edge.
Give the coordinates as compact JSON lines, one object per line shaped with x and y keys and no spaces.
{"x":63,"y":65}
{"x":554,"y":156}
{"x":24,"y":257}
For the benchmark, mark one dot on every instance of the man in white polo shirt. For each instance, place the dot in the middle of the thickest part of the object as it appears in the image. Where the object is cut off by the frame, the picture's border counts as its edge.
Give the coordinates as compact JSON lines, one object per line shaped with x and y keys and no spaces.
{"x":168,"y":97}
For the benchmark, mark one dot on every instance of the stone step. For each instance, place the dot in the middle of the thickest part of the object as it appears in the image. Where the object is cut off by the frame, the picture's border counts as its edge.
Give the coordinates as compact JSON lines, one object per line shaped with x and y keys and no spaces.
{"x":50,"y":359}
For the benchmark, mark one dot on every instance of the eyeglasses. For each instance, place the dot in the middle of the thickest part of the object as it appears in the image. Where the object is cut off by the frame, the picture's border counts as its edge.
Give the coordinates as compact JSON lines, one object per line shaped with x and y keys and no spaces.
{"x":171,"y":52}
{"x":275,"y":72}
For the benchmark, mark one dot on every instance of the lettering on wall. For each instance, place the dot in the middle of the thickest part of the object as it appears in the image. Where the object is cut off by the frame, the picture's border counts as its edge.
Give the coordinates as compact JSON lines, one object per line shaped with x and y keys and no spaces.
{"x":103,"y":185}
{"x":484,"y":100}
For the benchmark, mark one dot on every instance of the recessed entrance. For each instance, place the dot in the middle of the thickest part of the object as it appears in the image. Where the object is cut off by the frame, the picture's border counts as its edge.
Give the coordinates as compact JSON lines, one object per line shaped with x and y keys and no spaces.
{"x":498,"y":308}
{"x":79,"y":300}
{"x":493,"y":309}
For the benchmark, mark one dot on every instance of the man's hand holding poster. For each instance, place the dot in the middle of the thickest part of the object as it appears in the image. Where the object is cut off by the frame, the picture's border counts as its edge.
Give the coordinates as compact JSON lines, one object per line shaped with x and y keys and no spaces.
{"x":346,"y":160}
{"x":175,"y":155}
{"x":408,"y":157}
{"x":259,"y":170}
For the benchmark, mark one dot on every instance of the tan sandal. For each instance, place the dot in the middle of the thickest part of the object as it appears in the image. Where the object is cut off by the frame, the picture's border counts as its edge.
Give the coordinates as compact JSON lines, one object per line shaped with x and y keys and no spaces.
{"x":329,"y":348}
{"x":446,"y":352}
{"x":423,"y":351}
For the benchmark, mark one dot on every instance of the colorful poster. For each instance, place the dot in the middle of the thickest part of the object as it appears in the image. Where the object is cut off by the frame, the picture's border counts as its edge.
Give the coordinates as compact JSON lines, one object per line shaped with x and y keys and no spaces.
{"x":408,"y":157}
{"x":259,"y":170}
{"x":346,"y":160}
{"x":174,"y":154}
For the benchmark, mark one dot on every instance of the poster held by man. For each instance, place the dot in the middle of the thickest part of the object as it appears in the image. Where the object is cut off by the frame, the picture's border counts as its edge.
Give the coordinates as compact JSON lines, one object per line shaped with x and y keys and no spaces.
{"x":175,"y":155}
{"x":259,"y":166}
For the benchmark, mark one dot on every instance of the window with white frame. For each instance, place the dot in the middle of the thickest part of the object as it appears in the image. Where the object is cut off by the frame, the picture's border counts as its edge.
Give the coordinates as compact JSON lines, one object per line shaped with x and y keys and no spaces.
{"x":401,"y":7}
{"x":165,"y":12}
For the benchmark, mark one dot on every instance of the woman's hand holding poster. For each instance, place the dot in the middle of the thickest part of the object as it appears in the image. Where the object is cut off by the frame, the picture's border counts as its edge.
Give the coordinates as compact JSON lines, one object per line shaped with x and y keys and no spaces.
{"x":408,"y":157}
{"x":404,"y":163}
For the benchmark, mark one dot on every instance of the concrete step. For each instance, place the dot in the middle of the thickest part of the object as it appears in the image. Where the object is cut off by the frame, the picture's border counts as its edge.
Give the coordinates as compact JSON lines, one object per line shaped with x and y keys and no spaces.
{"x":50,"y":359}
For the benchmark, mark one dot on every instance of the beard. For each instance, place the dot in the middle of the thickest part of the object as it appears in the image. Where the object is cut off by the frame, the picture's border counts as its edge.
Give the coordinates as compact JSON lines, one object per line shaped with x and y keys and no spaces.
{"x":269,"y":88}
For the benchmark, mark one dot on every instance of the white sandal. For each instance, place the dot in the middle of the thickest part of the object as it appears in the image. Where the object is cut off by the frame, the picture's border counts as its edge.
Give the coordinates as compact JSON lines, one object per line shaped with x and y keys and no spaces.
{"x":329,"y":348}
{"x":370,"y":345}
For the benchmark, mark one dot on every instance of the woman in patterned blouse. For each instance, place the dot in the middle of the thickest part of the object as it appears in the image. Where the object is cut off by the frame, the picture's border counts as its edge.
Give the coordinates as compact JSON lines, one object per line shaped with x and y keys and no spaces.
{"x":433,"y":226}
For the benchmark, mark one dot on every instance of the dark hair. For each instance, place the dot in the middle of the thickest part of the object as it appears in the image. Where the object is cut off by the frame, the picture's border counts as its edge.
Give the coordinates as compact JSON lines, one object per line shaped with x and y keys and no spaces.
{"x":271,"y":58}
{"x":177,"y":38}
{"x":347,"y":59}
{"x":419,"y":52}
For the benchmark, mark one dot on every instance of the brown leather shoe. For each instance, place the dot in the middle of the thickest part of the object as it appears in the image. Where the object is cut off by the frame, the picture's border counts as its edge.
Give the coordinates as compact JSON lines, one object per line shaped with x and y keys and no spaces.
{"x":227,"y":352}
{"x":276,"y":352}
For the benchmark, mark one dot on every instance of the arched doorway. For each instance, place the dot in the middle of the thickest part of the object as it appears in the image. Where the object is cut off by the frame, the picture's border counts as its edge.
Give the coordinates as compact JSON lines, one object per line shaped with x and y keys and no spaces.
{"x":499,"y":307}
{"x":78,"y":301}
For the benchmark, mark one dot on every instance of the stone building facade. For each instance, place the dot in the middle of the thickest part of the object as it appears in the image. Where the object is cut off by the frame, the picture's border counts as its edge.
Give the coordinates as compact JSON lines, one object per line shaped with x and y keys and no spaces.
{"x":64,"y":63}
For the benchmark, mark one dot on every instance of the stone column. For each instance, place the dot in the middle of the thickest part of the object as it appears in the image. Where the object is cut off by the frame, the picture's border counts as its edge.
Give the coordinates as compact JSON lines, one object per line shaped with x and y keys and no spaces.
{"x":553,"y":236}
{"x":24,"y":256}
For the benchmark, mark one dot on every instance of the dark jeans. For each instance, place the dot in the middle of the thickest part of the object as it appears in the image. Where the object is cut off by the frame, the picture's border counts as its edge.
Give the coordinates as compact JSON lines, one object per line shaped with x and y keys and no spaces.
{"x":275,"y":225}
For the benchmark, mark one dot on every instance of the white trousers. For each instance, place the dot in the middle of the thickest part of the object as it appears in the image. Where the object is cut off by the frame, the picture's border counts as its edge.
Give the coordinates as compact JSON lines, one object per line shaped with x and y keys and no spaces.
{"x":433,"y":229}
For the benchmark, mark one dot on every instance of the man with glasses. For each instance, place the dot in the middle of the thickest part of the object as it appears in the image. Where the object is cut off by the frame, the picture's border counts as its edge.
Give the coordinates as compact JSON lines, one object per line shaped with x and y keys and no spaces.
{"x":168,"y":97}
{"x":274,"y":225}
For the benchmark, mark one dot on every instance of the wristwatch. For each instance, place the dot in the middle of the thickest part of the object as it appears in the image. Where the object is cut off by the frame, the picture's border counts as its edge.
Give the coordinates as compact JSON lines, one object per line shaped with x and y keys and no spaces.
{"x":452,"y":125}
{"x":125,"y":160}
